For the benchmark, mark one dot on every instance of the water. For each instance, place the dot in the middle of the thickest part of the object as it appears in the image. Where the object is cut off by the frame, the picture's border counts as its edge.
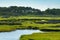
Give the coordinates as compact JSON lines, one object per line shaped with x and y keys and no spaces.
{"x":15,"y":35}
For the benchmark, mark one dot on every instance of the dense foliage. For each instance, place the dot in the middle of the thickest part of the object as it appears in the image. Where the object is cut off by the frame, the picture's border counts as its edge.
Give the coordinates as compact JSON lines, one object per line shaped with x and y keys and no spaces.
{"x":23,"y":11}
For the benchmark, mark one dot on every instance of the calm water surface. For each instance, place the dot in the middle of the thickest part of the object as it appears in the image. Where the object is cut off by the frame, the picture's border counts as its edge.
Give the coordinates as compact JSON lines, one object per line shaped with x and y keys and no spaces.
{"x":14,"y":35}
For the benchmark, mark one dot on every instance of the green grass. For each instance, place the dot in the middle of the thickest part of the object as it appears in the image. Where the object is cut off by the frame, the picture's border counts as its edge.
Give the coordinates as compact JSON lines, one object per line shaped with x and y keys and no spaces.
{"x":30,"y":23}
{"x":41,"y":26}
{"x":27,"y":26}
{"x":42,"y":36}
{"x":30,"y":17}
{"x":8,"y":28}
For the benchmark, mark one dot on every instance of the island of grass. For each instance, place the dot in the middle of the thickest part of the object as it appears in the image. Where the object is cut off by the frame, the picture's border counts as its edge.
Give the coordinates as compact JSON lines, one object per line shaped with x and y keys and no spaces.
{"x":42,"y":36}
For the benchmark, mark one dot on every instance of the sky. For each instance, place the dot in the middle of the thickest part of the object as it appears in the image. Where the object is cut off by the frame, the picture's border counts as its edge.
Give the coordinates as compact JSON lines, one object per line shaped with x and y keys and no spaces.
{"x":38,"y":4}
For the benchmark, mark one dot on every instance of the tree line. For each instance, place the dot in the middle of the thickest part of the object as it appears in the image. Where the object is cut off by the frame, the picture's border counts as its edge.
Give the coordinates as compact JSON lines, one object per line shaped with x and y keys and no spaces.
{"x":23,"y":11}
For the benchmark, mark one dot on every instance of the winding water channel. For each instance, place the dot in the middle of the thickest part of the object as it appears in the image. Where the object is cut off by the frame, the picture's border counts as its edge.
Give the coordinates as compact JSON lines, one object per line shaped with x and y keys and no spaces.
{"x":15,"y":35}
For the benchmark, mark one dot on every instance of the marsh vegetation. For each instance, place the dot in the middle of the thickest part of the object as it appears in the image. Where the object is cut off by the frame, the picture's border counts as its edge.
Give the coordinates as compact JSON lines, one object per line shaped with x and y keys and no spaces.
{"x":18,"y":18}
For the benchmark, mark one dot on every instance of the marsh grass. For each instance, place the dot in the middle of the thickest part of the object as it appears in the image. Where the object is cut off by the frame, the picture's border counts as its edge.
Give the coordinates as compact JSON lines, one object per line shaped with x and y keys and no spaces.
{"x":42,"y":36}
{"x":29,"y":23}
